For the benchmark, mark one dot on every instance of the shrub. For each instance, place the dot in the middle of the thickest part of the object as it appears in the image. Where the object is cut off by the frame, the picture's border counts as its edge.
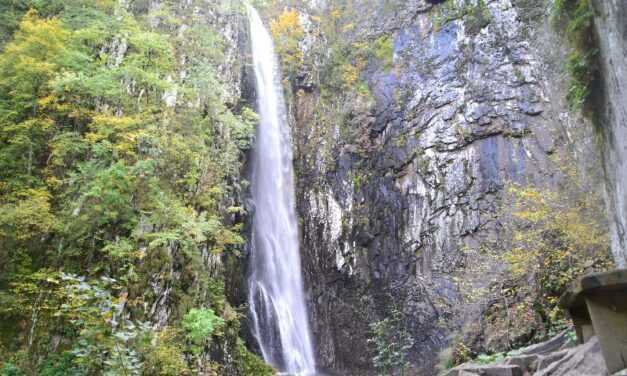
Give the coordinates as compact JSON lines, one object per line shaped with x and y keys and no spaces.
{"x":164,"y":357}
{"x":288,"y":33}
{"x":10,"y":369}
{"x":577,"y":17}
{"x":199,"y":325}
{"x":555,"y":237}
{"x":391,"y":343}
{"x":476,"y":15}
{"x":383,"y":50}
{"x":554,"y":242}
{"x":453,"y":355}
{"x":249,"y":363}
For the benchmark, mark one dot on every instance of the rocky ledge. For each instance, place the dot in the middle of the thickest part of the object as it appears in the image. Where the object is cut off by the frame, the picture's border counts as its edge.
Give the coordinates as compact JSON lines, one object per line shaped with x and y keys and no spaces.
{"x":555,"y":357}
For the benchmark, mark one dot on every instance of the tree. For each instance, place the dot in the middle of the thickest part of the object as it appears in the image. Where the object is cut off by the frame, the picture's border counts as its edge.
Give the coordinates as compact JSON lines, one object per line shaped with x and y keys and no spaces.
{"x":391,"y":343}
{"x":288,"y":34}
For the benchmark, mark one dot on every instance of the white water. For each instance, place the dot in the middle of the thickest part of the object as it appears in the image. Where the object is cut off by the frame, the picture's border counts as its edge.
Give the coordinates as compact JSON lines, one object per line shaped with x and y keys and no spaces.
{"x":276,"y":298}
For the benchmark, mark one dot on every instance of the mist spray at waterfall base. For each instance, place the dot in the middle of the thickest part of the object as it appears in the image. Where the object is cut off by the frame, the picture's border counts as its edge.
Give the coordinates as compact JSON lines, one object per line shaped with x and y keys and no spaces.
{"x":276,"y":299}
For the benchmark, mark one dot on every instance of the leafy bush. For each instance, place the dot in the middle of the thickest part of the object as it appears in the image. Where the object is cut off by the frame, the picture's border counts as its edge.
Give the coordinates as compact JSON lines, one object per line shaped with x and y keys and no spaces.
{"x":554,"y":243}
{"x":391,"y":343}
{"x":555,"y":237}
{"x":61,"y":365}
{"x":200,"y":325}
{"x":164,"y":356}
{"x":10,"y":369}
{"x":551,"y":236}
{"x":577,"y":17}
{"x":288,"y":33}
{"x":457,"y":353}
{"x":475,"y":15}
{"x":249,"y":363}
{"x":383,"y":50}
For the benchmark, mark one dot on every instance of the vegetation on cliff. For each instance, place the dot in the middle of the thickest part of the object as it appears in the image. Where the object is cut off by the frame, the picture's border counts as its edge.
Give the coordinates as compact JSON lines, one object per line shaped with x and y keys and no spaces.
{"x":288,"y":34}
{"x":118,"y":157}
{"x":577,"y":17}
{"x":553,"y":236}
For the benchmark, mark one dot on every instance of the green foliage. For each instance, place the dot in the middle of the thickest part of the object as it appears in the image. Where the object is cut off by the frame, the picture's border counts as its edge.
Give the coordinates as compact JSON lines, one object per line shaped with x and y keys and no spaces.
{"x":60,"y":365}
{"x":348,"y":60}
{"x":477,"y":17}
{"x":249,"y":363}
{"x":199,"y":325}
{"x":581,"y":72}
{"x":445,"y":13}
{"x":557,"y":236}
{"x":475,"y":14}
{"x":551,"y":237}
{"x":105,"y":341}
{"x":10,"y":369}
{"x":345,"y":55}
{"x":577,"y":17}
{"x":453,"y":355}
{"x":391,"y":343}
{"x":115,"y":176}
{"x":459,"y":353}
{"x":489,"y":358}
{"x":12,"y":11}
{"x":165,"y":357}
{"x":383,"y":51}
{"x":556,"y":243}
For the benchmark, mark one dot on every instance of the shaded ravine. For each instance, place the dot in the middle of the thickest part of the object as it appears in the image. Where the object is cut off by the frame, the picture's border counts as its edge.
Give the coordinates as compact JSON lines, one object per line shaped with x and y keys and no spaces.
{"x":277,"y":305}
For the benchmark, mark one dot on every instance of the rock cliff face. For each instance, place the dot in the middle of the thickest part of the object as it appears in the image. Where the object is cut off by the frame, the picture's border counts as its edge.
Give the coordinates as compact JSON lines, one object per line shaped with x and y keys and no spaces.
{"x":399,"y":190}
{"x":611,"y":96}
{"x":227,"y":18}
{"x":191,"y":14}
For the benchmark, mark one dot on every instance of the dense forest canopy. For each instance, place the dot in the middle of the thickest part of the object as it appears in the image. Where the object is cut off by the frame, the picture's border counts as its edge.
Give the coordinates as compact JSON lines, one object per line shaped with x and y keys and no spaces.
{"x":117,"y":151}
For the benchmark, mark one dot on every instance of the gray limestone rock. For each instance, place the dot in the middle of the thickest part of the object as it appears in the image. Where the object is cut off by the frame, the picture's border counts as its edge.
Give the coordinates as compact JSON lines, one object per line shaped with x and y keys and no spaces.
{"x":610,"y":101}
{"x":560,"y":341}
{"x":399,"y":191}
{"x":487,"y":370}
{"x":585,"y":359}
{"x":527,"y":363}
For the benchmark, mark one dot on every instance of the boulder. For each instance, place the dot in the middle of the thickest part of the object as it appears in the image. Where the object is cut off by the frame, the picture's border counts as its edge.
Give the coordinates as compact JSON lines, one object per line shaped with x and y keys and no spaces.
{"x":527,"y":363}
{"x":547,"y":360}
{"x":585,"y":359}
{"x":556,"y":343}
{"x":485,"y":370}
{"x":538,"y":360}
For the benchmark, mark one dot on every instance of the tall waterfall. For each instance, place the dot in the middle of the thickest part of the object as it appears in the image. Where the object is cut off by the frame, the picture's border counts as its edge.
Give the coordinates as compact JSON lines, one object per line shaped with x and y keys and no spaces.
{"x":276,"y":298}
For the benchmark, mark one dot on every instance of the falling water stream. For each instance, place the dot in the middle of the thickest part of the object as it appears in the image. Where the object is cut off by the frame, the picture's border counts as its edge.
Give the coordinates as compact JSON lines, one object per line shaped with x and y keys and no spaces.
{"x":276,"y":298}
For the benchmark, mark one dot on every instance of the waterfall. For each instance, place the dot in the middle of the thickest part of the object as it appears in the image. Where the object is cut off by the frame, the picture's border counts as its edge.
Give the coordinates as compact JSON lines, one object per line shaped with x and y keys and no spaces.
{"x":276,"y":298}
